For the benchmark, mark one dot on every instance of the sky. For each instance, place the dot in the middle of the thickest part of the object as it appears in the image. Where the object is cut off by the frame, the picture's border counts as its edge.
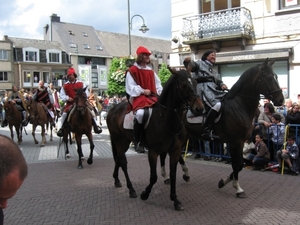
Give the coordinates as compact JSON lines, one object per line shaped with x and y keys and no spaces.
{"x":27,"y":18}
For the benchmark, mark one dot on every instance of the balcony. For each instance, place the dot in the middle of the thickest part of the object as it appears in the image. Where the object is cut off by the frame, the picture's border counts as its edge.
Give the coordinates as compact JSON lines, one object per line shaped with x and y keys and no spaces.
{"x":216,"y":27}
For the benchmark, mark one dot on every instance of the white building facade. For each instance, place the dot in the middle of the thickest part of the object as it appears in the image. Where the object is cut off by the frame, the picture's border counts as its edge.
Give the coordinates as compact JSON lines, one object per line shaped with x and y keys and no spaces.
{"x":243,"y":33}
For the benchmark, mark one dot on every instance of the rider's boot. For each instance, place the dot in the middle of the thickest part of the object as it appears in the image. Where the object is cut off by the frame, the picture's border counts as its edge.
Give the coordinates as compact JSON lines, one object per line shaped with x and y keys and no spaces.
{"x":137,"y":131}
{"x":97,"y":129}
{"x":25,"y":120}
{"x":60,"y":132}
{"x":4,"y":122}
{"x":52,"y":123}
{"x":208,"y":124}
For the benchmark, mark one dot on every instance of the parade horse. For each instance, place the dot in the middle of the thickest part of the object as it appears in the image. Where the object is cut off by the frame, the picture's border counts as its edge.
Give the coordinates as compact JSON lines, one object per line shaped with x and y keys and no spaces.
{"x":236,"y":121}
{"x":164,"y":133}
{"x":80,"y":123}
{"x":14,"y":119}
{"x":38,"y":117}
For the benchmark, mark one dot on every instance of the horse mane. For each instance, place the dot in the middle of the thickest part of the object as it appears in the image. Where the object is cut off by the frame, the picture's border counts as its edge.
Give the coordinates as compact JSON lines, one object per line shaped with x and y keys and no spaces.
{"x":169,"y":84}
{"x":243,"y":78}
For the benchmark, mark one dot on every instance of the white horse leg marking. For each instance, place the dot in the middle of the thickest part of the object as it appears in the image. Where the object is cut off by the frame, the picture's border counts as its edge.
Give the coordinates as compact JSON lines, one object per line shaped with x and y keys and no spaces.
{"x":236,"y":185}
{"x":185,"y":169}
{"x":163,"y":172}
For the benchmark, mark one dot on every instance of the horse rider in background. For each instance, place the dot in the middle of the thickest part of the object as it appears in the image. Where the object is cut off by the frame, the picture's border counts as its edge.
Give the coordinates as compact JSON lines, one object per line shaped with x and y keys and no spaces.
{"x":141,"y":82}
{"x":17,"y":98}
{"x":210,"y":88}
{"x":55,"y":96}
{"x":67,"y":95}
{"x":44,"y":95}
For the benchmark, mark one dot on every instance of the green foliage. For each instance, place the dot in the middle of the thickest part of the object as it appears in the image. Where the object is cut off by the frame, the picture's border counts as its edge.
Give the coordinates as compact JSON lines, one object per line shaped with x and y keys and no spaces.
{"x":116,"y":76}
{"x":164,"y":73}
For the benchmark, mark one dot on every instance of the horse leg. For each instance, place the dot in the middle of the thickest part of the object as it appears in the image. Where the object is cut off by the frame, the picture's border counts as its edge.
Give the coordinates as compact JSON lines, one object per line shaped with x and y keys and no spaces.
{"x":19,"y":133}
{"x":79,"y":151}
{"x":43,"y":134}
{"x":163,"y":173}
{"x":152,"y":158}
{"x":33,"y":133}
{"x":90,"y":159}
{"x":65,"y":140}
{"x":51,"y":135}
{"x":185,"y":169}
{"x":11,"y":131}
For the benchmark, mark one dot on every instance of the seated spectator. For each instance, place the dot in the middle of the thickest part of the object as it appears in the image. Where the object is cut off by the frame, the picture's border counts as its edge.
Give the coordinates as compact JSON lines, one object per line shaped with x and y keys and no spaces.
{"x":277,"y":130}
{"x":262,"y":157}
{"x":290,"y":156}
{"x":293,"y":118}
{"x":248,"y":149}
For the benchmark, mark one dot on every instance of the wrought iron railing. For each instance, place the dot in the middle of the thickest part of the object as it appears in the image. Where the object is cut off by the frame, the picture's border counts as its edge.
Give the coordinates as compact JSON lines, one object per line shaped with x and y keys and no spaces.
{"x":229,"y":22}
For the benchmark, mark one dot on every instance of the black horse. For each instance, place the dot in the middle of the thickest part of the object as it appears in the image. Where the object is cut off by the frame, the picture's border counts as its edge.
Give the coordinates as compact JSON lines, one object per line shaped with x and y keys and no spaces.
{"x":164,"y":133}
{"x":236,"y":122}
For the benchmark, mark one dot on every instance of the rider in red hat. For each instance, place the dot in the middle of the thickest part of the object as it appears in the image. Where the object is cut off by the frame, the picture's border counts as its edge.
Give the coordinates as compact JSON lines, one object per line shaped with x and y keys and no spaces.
{"x":142,"y":85}
{"x":67,"y":94}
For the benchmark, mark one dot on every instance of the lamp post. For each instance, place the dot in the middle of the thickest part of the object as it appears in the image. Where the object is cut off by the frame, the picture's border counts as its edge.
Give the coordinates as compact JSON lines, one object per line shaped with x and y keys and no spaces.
{"x":143,"y":28}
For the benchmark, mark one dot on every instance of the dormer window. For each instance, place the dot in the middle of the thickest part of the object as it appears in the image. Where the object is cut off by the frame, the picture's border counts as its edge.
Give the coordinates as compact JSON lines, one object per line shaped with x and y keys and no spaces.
{"x":71,"y":32}
{"x":84,"y":34}
{"x":98,"y":47}
{"x":72,"y":45}
{"x":86,"y":46}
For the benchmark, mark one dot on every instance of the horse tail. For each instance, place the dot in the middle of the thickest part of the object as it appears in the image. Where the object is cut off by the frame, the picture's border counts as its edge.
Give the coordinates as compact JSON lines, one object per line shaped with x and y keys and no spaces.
{"x":114,"y":149}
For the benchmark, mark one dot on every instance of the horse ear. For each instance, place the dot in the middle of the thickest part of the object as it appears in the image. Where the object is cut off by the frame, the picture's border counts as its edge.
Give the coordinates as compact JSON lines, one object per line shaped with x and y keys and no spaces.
{"x":271,"y":63}
{"x":186,"y":62}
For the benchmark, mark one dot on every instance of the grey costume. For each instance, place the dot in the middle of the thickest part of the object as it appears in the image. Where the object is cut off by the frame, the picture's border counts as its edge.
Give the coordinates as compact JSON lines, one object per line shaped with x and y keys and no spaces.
{"x":209,"y":83}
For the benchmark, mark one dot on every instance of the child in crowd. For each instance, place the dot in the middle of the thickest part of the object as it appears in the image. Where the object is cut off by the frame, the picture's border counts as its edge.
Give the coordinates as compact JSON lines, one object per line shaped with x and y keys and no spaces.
{"x":247,"y":151}
{"x":277,"y":130}
{"x":289,"y":154}
{"x":262,"y":157}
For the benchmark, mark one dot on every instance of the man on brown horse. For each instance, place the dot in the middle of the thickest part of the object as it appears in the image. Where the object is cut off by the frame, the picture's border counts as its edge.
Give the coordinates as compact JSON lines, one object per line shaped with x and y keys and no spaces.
{"x":210,"y":88}
{"x":67,"y":94}
{"x":43,"y":95}
{"x":141,"y":83}
{"x":18,"y":99}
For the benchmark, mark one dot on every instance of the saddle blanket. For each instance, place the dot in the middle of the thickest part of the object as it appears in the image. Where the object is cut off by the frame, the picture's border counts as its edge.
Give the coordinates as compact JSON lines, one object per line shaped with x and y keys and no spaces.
{"x":129,"y":118}
{"x":198,"y":119}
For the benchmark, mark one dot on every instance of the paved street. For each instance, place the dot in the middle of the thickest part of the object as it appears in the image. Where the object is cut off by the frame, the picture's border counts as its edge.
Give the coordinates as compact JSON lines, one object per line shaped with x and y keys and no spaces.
{"x":56,"y":192}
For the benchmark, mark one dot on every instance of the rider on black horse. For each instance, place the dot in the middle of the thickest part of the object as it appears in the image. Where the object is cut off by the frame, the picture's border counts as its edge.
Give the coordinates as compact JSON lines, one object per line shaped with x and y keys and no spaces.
{"x":210,"y":88}
{"x":18,"y":99}
{"x":141,"y":82}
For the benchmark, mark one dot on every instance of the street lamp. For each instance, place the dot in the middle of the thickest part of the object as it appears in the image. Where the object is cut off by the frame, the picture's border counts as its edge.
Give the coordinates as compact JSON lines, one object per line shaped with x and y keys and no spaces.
{"x":143,"y":28}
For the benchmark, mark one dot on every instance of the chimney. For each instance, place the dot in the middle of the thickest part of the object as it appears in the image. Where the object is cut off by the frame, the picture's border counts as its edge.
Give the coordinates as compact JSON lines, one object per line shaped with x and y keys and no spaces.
{"x":55,"y":18}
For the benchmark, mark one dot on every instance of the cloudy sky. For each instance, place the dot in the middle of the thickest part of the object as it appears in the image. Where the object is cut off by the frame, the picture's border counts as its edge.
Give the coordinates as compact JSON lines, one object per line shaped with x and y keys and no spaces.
{"x":26,"y":18}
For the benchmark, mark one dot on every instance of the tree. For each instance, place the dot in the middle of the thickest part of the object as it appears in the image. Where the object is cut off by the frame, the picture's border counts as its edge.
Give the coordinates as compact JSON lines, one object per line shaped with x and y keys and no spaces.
{"x":116,"y":76}
{"x":164,"y":73}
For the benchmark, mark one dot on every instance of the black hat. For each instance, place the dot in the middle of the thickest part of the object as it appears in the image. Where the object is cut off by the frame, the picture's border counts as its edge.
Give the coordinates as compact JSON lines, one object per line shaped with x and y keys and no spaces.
{"x":207,"y":53}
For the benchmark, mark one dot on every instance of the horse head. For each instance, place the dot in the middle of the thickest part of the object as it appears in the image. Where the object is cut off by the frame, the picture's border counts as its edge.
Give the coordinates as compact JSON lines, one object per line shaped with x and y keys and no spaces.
{"x":268,"y":83}
{"x":80,"y":100}
{"x":186,"y":91}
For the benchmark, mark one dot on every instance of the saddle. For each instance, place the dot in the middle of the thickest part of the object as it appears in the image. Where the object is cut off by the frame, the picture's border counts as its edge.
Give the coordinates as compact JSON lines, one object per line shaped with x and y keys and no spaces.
{"x":129,"y":118}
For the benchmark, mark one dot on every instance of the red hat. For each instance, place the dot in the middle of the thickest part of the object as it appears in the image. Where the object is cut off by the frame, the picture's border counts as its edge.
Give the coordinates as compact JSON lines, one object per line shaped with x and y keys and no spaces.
{"x":142,"y":50}
{"x":71,"y":71}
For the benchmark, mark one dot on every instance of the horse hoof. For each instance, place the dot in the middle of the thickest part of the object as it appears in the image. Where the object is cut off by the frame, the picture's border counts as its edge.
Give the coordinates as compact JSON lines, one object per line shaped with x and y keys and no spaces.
{"x":90,"y":161}
{"x":80,"y":167}
{"x":82,"y":158}
{"x":241,"y":195}
{"x":118,"y":184}
{"x":42,"y":145}
{"x":132,"y":194}
{"x":68,"y":156}
{"x":178,"y":207}
{"x":144,"y":195}
{"x":221,"y":183}
{"x":167,"y":181}
{"x":186,"y":178}
{"x":36,"y":142}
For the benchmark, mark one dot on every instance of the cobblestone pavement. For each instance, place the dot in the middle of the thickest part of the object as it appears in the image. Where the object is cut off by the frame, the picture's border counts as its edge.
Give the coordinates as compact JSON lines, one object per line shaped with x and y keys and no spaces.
{"x":56,"y":192}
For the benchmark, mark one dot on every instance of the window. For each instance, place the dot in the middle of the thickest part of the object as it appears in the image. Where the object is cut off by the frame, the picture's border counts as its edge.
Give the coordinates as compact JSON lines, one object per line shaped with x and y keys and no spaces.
{"x":84,"y":34}
{"x":289,"y":3}
{"x":98,"y":47}
{"x":214,"y":5}
{"x":3,"y":76}
{"x":36,"y":77}
{"x":3,"y":55}
{"x":31,"y":56}
{"x":86,"y":46}
{"x":27,"y":78}
{"x":72,"y":45}
{"x":54,"y":57}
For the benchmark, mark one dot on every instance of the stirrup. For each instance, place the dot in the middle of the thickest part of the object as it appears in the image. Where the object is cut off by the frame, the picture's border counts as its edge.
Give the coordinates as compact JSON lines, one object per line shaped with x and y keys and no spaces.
{"x":139,"y":148}
{"x":209,"y":136}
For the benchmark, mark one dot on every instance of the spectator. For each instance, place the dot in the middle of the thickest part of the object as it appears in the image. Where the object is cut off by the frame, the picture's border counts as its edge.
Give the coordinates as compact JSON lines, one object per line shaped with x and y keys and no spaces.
{"x":13,"y":171}
{"x":293,"y":117}
{"x":290,"y":155}
{"x":262,"y":155}
{"x":277,"y":130}
{"x":248,"y":149}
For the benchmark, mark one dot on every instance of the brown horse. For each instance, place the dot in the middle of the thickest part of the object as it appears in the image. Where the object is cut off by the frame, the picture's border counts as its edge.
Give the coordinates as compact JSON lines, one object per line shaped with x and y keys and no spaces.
{"x":14,"y":118}
{"x":38,"y":117}
{"x":79,"y":122}
{"x":236,"y":122}
{"x":169,"y":136}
